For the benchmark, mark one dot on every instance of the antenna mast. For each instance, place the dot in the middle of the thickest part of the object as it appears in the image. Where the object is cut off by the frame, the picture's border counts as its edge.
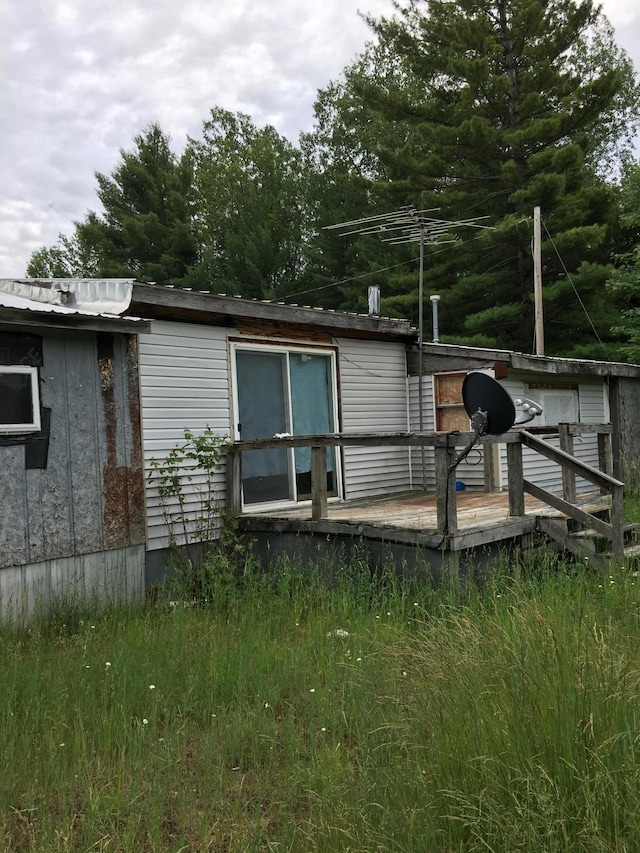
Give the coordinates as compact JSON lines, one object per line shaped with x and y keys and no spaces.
{"x":409,"y":225}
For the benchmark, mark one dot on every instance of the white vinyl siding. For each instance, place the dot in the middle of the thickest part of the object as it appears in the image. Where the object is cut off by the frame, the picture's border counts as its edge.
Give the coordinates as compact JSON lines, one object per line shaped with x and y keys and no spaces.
{"x":592,"y":409}
{"x":184,"y":386}
{"x":428,"y":424}
{"x":592,"y":406}
{"x":373,"y":394}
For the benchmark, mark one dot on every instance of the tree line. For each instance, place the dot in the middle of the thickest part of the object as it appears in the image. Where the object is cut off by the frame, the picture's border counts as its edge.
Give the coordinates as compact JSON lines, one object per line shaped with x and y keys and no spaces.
{"x":464,"y":109}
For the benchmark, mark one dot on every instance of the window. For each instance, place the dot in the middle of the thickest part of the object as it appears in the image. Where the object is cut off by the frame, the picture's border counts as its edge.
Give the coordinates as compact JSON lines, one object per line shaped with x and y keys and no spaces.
{"x":19,"y":400}
{"x":284,"y":390}
{"x":560,"y":404}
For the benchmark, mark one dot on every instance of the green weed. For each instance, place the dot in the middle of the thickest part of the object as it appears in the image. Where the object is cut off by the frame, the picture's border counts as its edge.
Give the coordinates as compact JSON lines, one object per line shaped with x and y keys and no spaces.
{"x":302,"y":711}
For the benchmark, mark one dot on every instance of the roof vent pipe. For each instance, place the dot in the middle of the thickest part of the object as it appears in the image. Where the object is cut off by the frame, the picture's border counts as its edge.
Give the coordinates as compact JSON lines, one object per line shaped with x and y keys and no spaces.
{"x":374,"y":300}
{"x":434,"y":304}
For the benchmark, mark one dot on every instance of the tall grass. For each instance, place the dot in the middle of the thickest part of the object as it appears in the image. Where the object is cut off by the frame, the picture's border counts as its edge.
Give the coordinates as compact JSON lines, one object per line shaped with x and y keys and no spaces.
{"x":361,"y":714}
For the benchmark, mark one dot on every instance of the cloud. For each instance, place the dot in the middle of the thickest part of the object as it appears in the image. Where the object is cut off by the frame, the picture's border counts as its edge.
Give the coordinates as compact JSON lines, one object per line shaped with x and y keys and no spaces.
{"x":78,"y":80}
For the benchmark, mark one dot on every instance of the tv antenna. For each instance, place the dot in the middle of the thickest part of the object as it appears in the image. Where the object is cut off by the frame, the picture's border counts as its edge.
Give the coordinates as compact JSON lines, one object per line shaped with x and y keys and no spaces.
{"x":409,"y":225}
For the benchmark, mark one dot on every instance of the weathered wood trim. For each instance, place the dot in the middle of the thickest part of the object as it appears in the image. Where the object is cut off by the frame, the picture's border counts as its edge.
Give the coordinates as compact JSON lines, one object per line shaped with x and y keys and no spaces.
{"x":605,"y":461}
{"x":446,"y":503}
{"x":572,"y":511}
{"x":469,"y":539}
{"x":78,"y":322}
{"x":187,"y":305}
{"x":326,"y":527}
{"x":529,"y":363}
{"x":584,"y":429}
{"x":234,"y":481}
{"x":318,"y":482}
{"x":355,"y":439}
{"x":511,"y":528}
{"x":617,"y":409}
{"x":617,"y":522}
{"x":515,"y":479}
{"x":568,"y":476}
{"x":491,"y":465}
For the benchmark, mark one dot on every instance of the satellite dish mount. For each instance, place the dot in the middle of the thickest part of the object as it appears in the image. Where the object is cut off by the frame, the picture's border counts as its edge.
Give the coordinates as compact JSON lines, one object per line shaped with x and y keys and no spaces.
{"x":490,"y":409}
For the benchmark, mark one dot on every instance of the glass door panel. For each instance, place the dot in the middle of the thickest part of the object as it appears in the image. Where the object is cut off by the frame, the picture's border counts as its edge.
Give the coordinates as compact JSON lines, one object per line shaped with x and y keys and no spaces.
{"x":263,"y":412}
{"x":312,"y":412}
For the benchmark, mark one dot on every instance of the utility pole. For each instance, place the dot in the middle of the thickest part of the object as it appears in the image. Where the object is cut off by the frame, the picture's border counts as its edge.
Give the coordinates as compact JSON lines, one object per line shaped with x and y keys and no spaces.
{"x":537,"y":281}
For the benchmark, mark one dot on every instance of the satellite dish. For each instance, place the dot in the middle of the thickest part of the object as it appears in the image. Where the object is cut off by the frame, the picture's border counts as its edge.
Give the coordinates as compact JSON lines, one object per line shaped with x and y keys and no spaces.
{"x":488,"y":405}
{"x":481,"y":393}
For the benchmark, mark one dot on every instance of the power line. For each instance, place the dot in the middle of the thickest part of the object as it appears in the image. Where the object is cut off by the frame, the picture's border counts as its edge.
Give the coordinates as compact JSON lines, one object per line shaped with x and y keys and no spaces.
{"x":347,"y":280}
{"x":575,"y":290}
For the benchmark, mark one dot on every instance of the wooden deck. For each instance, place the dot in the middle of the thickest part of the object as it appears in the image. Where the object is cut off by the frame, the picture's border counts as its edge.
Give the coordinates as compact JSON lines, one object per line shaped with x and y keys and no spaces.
{"x":448,"y":521}
{"x":411,"y":518}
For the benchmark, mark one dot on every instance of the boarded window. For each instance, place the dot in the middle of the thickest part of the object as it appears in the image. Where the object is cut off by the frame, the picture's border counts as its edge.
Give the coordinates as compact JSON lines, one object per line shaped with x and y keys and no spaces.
{"x":450,"y":411}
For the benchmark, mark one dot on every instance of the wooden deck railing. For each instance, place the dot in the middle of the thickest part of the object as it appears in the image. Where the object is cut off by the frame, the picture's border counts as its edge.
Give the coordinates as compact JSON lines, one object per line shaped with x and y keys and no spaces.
{"x":446,"y":447}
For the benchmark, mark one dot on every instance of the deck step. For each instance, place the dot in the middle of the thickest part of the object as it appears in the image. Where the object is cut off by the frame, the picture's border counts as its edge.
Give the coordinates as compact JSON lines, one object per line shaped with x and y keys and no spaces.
{"x":589,"y":543}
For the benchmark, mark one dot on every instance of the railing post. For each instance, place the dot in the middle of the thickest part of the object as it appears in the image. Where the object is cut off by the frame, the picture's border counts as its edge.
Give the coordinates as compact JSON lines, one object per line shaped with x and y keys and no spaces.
{"x":491,"y":462}
{"x":568,"y":477}
{"x":617,"y":522}
{"x":234,"y":481}
{"x":446,"y":505}
{"x":515,"y":477}
{"x":605,"y":457}
{"x":318,"y":483}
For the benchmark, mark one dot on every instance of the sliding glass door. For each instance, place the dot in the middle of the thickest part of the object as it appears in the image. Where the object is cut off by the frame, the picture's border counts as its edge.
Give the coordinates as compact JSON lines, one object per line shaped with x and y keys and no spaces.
{"x":283,"y":391}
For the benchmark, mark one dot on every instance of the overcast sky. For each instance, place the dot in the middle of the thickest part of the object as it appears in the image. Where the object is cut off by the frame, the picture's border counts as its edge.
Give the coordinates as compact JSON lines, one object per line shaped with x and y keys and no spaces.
{"x":80,"y":78}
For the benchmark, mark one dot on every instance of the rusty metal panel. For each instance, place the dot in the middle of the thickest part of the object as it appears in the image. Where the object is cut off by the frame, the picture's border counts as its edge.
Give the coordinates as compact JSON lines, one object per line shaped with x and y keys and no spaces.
{"x":133,"y":443}
{"x":122,"y":477}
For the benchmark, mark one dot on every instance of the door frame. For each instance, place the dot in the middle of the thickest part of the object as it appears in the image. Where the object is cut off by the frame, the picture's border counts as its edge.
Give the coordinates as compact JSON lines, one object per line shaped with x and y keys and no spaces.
{"x":287,"y":348}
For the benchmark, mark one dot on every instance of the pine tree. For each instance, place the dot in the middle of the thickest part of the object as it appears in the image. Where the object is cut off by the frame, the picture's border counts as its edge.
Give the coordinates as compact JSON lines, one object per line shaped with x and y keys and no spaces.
{"x":624,"y":285}
{"x":499,"y":106}
{"x":146,"y":229}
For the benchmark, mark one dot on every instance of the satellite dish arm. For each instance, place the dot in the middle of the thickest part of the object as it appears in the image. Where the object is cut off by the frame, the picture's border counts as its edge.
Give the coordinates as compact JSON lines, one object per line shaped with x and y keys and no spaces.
{"x":479,"y":422}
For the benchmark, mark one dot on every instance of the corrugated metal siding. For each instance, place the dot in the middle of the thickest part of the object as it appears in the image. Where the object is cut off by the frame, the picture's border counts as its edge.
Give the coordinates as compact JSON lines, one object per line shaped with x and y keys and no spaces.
{"x":373,"y":394}
{"x":185,"y":386}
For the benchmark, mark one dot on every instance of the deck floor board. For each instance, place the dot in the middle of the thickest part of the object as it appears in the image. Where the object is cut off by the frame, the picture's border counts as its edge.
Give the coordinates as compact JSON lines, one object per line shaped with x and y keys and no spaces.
{"x":417,"y":510}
